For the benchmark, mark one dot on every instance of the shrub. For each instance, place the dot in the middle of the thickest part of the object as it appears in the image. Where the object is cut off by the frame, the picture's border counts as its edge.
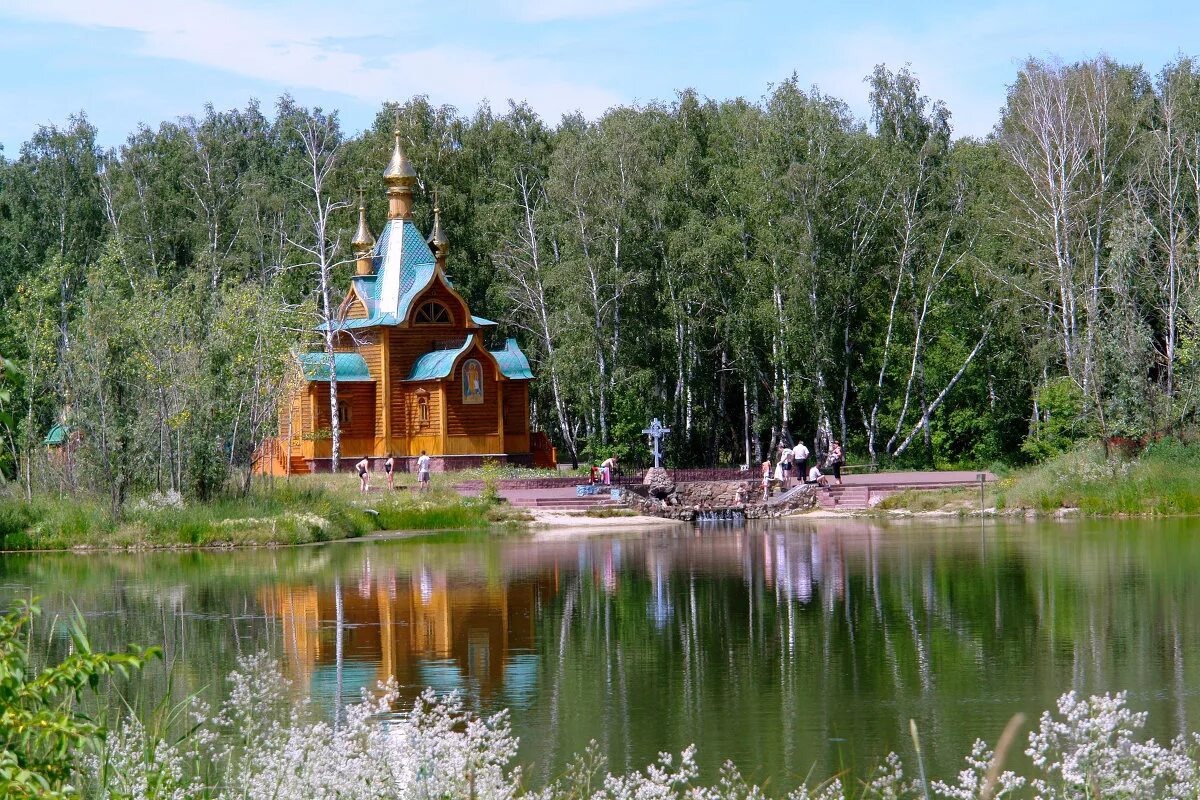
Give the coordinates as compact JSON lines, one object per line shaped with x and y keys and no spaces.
{"x":491,"y":472}
{"x":41,"y":729}
{"x":16,"y":518}
{"x":1060,"y":421}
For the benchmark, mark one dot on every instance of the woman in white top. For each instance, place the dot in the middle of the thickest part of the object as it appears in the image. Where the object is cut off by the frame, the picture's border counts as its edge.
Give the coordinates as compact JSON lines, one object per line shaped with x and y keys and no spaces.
{"x":785,"y":461}
{"x":606,"y":470}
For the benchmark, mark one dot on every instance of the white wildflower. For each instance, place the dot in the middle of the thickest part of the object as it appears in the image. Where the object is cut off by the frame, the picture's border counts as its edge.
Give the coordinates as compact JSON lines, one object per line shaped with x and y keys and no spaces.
{"x":971,"y":780}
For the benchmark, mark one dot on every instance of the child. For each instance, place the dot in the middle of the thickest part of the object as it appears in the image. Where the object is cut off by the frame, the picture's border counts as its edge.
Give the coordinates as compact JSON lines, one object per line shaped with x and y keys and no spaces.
{"x":423,"y":471}
{"x":766,"y":479}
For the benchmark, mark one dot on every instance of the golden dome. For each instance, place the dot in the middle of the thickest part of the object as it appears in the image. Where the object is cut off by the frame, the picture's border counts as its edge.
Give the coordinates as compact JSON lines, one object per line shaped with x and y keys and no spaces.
{"x":363,"y":239}
{"x":399,"y":169}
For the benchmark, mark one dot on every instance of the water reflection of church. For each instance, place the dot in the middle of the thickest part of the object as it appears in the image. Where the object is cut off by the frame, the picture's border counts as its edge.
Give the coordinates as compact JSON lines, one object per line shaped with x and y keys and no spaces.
{"x":474,"y":628}
{"x":477,"y":638}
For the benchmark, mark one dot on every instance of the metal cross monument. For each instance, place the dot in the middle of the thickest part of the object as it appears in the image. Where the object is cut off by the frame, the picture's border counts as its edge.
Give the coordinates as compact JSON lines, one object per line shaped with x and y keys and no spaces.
{"x":656,"y":431}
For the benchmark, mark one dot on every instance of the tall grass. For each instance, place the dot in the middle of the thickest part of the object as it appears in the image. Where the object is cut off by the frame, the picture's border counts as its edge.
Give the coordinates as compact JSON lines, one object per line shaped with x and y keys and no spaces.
{"x":1163,"y":479}
{"x":303,"y":510}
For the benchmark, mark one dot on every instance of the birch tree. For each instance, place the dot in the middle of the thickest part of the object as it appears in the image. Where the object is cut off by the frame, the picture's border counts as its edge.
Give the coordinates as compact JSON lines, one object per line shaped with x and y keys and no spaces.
{"x":318,"y":237}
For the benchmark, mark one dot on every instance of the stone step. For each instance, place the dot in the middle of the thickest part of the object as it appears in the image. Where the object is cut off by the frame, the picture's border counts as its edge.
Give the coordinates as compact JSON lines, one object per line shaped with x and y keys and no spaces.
{"x":849,"y":497}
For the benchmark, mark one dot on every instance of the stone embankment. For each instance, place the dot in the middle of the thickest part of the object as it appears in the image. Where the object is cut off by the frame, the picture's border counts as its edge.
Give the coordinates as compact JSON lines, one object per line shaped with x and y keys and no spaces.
{"x":659,"y":496}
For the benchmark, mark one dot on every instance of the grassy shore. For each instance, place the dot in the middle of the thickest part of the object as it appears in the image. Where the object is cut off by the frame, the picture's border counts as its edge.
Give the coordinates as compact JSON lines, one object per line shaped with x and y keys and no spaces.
{"x":300,"y":510}
{"x":1161,"y":480}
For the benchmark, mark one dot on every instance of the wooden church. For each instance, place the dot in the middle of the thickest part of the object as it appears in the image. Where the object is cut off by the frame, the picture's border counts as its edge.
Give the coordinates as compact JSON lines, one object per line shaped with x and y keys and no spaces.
{"x":412,"y":368}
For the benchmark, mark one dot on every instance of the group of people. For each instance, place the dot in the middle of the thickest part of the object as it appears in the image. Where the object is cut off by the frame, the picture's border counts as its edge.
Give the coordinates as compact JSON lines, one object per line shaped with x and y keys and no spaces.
{"x":793,"y":465}
{"x":363,"y":468}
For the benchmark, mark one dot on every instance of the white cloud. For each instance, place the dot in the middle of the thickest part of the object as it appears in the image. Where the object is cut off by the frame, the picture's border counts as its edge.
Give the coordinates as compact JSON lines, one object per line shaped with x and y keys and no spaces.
{"x":300,"y":49}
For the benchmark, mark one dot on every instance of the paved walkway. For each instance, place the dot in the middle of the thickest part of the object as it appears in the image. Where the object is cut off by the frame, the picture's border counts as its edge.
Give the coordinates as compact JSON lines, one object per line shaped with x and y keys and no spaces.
{"x":857,"y":490}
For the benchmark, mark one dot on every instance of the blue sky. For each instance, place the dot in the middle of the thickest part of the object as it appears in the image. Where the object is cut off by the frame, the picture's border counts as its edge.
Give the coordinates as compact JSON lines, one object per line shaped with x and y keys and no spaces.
{"x":127,"y":62}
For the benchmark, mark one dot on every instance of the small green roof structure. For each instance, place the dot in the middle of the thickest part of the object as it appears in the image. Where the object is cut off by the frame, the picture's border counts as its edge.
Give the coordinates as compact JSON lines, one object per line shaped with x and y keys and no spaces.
{"x":512,"y":361}
{"x":437,"y":364}
{"x":57,"y":436}
{"x":351,"y":368}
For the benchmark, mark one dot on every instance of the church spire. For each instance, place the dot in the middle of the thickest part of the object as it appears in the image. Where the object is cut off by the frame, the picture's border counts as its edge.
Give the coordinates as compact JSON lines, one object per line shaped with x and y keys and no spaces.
{"x":363,"y":242}
{"x":438,"y":239}
{"x":399,"y":177}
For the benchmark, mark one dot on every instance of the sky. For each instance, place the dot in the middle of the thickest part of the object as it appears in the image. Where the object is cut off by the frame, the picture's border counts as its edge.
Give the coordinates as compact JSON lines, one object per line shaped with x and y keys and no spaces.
{"x":132,"y":62}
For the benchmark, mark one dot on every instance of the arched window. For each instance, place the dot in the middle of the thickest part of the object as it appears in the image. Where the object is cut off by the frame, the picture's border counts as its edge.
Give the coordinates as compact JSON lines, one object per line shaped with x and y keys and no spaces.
{"x":422,"y":410}
{"x":343,"y":414}
{"x":433,"y":313}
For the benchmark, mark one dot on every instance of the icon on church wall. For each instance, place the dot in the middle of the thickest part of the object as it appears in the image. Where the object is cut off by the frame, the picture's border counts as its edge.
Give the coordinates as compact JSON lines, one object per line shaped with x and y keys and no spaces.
{"x":472,"y":382}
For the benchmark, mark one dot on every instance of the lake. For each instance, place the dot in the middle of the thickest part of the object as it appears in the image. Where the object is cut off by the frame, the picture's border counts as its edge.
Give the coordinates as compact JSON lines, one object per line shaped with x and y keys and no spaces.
{"x":789,"y":647}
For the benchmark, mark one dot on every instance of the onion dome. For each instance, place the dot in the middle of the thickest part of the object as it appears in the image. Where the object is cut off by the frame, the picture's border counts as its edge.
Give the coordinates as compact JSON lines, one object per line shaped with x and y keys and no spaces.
{"x":363,"y":239}
{"x":399,"y":169}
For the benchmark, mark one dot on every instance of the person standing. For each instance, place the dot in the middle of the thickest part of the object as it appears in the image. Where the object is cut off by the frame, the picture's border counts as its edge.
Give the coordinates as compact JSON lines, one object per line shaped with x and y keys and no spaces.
{"x":606,"y":469}
{"x":364,"y":471}
{"x":800,"y":460}
{"x":785,"y":461}
{"x":766,"y":479}
{"x":423,"y":471}
{"x":837,"y":460}
{"x":389,"y":467}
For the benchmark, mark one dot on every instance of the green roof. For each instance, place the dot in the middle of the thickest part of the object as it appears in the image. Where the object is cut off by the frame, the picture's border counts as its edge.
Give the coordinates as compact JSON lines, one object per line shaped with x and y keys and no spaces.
{"x":437,"y":364}
{"x":512,"y":361}
{"x":57,"y":435}
{"x":350,"y":367}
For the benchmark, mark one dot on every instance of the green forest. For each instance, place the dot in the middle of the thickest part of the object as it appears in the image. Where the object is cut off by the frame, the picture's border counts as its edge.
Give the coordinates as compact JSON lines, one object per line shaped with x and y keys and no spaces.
{"x":741,"y":269}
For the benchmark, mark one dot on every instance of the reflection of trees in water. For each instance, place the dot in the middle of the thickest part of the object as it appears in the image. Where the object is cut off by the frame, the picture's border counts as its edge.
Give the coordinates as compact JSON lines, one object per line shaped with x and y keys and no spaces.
{"x":767,"y":645}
